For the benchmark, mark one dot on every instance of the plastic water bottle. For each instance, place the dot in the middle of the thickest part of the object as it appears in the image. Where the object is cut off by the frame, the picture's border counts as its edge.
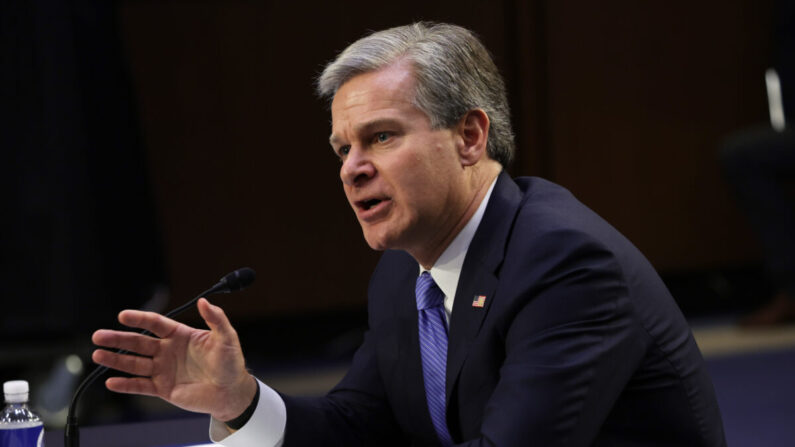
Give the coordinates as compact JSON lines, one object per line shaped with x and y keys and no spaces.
{"x":19,"y":427}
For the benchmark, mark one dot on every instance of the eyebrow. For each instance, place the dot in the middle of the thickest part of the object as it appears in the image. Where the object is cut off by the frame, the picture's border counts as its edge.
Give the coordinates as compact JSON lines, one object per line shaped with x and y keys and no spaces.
{"x":367,"y":127}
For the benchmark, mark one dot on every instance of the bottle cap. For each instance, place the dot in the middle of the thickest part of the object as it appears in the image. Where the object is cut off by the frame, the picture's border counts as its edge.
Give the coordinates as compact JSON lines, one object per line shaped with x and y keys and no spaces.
{"x":16,"y":391}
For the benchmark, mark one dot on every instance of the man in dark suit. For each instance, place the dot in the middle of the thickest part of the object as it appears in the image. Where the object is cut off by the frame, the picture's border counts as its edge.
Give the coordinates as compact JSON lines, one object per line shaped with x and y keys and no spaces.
{"x":502,"y":313}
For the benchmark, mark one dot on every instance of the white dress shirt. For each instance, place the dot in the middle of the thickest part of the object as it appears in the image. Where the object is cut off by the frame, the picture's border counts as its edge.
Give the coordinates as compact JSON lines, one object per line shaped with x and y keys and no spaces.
{"x":267,"y":424}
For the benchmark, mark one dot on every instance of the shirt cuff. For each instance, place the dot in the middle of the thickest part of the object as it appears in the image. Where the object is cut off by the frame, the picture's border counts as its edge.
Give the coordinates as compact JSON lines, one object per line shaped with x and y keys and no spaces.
{"x":266,"y":426}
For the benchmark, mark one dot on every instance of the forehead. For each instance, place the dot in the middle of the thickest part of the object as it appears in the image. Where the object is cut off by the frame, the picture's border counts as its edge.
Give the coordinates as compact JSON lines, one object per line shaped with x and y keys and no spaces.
{"x":386,"y":93}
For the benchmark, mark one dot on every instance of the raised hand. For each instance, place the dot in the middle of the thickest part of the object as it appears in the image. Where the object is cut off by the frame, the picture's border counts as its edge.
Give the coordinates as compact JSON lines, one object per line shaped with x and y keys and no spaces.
{"x":197,"y":370}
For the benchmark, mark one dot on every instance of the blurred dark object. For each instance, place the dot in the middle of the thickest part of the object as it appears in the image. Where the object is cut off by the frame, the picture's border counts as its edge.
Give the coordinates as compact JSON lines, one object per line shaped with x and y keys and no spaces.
{"x":784,"y":52}
{"x":779,"y":310}
{"x":759,"y":164}
{"x":79,"y":236}
{"x":717,"y":293}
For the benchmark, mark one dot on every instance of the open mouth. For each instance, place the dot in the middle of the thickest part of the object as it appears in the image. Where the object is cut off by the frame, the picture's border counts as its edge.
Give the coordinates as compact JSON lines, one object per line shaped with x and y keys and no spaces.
{"x":367,"y":204}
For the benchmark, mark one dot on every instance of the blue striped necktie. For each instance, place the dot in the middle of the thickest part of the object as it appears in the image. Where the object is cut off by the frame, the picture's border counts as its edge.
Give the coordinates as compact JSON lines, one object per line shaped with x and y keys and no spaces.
{"x":433,"y":347}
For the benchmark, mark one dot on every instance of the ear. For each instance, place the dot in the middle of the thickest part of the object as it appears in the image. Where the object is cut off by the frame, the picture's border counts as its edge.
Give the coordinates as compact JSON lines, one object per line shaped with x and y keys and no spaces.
{"x":473,"y":131}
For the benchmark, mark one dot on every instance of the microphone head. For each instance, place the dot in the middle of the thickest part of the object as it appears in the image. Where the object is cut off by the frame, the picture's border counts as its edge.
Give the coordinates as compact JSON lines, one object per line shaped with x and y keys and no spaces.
{"x":238,"y":280}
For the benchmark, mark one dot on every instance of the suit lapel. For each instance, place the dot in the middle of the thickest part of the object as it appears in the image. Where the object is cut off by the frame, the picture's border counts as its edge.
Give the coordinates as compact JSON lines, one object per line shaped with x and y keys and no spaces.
{"x":479,"y":275}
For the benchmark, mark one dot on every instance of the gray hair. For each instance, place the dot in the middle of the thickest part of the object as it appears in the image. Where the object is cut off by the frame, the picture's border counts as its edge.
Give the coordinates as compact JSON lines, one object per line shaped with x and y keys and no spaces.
{"x":453,"y":70}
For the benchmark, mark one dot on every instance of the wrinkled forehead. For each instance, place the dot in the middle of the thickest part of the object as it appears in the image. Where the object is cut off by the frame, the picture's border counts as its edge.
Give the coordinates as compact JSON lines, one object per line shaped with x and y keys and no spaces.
{"x":389,"y":90}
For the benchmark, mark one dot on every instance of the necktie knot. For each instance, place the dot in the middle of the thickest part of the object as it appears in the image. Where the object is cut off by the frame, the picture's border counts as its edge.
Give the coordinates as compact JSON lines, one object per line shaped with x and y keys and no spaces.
{"x":429,"y":295}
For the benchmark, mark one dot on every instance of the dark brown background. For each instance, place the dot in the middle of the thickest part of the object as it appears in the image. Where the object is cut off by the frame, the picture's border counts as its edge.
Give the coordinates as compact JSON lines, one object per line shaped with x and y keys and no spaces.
{"x":623,"y":102}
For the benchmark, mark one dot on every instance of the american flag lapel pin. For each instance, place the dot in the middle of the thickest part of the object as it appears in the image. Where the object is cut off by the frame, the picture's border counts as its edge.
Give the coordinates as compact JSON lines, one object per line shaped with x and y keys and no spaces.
{"x":479,"y":301}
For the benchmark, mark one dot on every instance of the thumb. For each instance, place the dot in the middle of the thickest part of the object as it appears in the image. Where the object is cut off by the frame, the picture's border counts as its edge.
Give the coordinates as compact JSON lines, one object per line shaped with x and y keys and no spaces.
{"x":216,"y":319}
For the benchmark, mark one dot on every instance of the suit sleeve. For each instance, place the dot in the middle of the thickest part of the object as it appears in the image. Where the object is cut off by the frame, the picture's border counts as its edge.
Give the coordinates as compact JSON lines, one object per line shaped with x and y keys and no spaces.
{"x":571,"y":345}
{"x":354,"y":413}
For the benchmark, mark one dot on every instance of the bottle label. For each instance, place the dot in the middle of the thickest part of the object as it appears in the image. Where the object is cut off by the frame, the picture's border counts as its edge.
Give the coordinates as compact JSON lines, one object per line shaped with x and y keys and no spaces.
{"x":23,"y":437}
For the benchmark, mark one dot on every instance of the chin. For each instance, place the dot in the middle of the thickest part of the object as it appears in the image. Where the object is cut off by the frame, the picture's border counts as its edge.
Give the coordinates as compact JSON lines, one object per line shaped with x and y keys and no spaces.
{"x":378,"y":241}
{"x":375,"y":244}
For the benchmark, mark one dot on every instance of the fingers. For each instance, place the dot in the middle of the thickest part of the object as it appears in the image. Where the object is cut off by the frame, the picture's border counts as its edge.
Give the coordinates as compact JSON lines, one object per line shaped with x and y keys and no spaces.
{"x":132,"y":364}
{"x":131,"y":385}
{"x":216,"y":319}
{"x":151,"y":321}
{"x":140,"y":344}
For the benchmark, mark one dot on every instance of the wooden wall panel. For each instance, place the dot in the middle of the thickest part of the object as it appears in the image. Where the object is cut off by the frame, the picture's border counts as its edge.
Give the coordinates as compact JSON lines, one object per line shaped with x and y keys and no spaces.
{"x":238,"y":143}
{"x":640,"y":97}
{"x":623,"y":102}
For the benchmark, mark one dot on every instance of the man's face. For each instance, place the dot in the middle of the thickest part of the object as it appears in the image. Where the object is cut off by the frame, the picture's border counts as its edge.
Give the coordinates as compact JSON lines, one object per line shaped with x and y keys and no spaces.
{"x":402,"y":178}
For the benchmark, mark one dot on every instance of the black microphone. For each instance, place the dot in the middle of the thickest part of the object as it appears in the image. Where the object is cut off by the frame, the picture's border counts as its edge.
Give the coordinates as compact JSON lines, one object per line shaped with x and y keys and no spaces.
{"x":232,"y":282}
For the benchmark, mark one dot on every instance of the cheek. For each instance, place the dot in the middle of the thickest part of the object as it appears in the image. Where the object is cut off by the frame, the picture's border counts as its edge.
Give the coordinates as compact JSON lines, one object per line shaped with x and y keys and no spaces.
{"x":347,"y":190}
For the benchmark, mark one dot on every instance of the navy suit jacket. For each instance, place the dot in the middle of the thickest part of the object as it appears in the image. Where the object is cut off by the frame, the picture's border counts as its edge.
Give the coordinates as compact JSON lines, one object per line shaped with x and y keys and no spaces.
{"x":579,"y":343}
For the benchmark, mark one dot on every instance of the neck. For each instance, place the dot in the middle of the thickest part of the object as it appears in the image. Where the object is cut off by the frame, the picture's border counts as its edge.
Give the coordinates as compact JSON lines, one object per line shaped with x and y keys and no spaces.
{"x":478,"y":186}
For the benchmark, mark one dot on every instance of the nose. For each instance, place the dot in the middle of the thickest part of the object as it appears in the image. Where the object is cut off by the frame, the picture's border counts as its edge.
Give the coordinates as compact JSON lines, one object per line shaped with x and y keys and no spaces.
{"x":357,"y":168}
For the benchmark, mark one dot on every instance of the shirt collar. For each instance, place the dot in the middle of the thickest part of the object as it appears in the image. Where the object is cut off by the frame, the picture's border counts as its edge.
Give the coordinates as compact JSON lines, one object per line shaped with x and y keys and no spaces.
{"x":447,"y":269}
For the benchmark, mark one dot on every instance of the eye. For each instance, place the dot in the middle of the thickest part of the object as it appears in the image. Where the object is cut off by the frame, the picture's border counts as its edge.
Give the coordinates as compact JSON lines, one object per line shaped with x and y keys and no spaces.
{"x":343,"y":151}
{"x":382,"y":137}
